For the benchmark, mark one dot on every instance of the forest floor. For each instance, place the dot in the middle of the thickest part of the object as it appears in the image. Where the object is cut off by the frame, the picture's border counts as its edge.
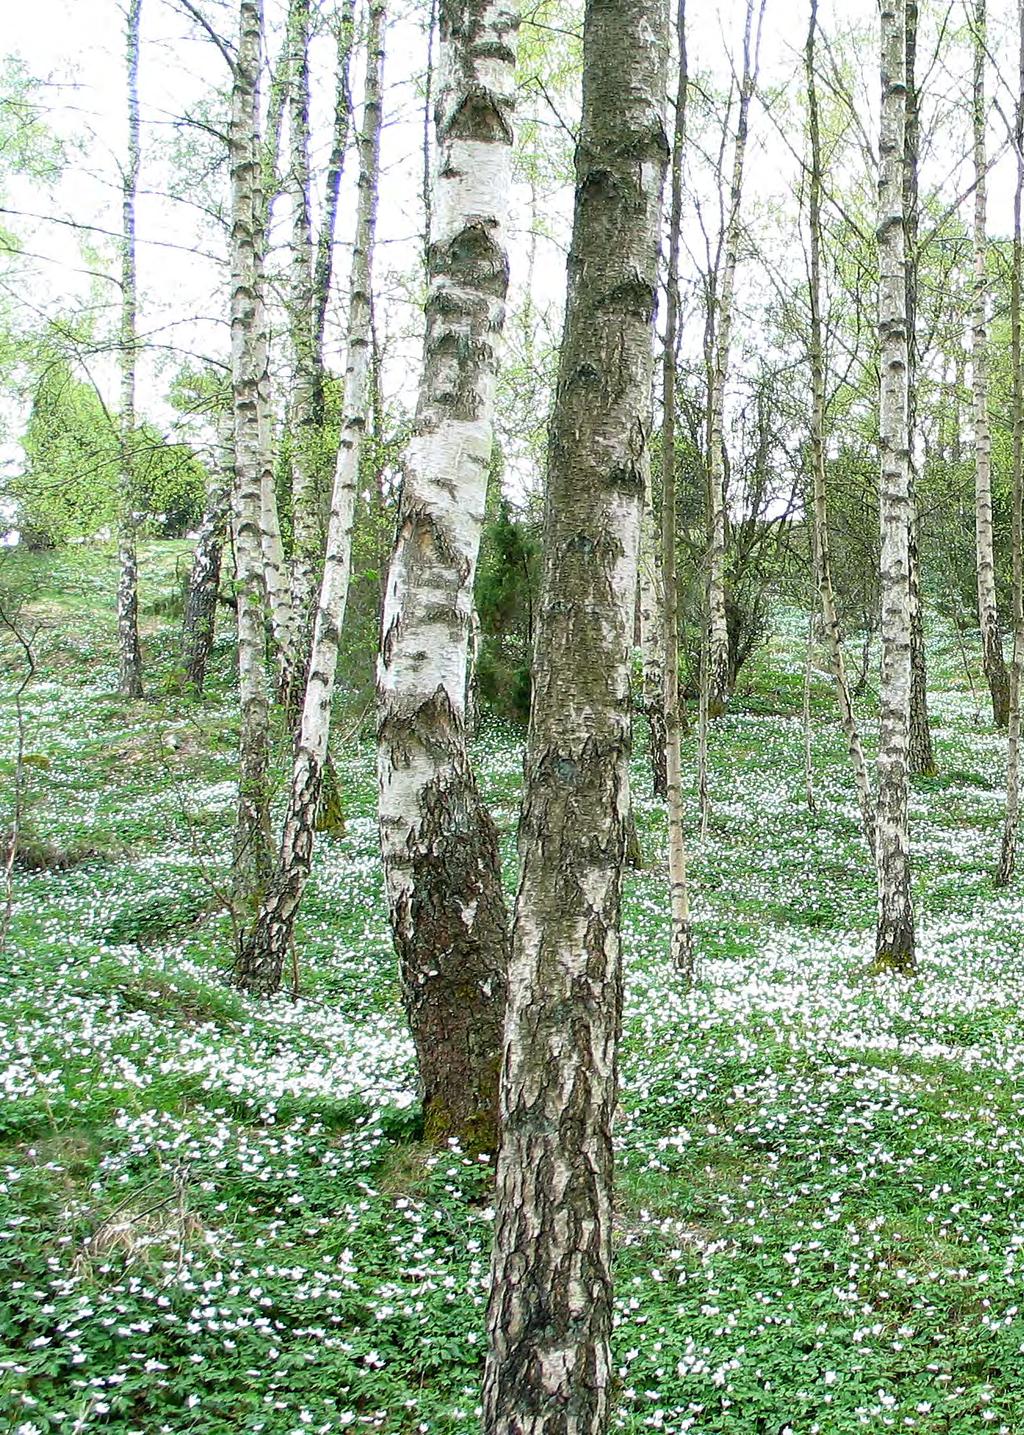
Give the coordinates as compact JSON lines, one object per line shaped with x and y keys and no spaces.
{"x":216,"y":1215}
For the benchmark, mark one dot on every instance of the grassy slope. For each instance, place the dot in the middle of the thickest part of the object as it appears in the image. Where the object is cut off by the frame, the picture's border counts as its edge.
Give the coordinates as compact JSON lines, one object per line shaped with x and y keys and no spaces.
{"x":214,"y":1215}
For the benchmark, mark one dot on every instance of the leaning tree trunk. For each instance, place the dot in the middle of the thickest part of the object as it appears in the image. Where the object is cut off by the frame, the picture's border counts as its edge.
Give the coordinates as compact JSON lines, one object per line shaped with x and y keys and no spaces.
{"x":821,"y":544}
{"x":652,"y":640}
{"x":263,"y":949}
{"x":550,"y":1310}
{"x":720,"y":669}
{"x":895,"y":935}
{"x":128,"y":652}
{"x":200,"y":614}
{"x":440,"y":847}
{"x":323,"y":263}
{"x":1008,"y":852}
{"x":991,"y":639}
{"x":680,"y":931}
{"x":922,"y":757}
{"x":248,"y":370}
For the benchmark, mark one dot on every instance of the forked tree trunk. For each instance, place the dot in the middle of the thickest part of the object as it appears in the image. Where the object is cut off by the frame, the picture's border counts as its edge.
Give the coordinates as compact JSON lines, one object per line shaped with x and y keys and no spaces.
{"x":652,"y":641}
{"x":1008,"y":852}
{"x":252,"y":857}
{"x":680,"y":932}
{"x":263,"y":949}
{"x":128,"y":652}
{"x":440,"y":847}
{"x":550,"y":1310}
{"x":988,"y":619}
{"x":821,"y":545}
{"x":720,"y":667}
{"x":200,"y":616}
{"x":895,"y":936}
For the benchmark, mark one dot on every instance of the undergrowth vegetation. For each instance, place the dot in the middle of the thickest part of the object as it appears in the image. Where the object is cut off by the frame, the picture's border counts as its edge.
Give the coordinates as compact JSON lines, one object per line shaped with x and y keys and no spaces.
{"x":217,"y":1215}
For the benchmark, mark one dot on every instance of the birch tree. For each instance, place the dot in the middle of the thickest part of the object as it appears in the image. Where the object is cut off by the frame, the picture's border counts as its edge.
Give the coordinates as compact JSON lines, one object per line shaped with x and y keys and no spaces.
{"x":680,"y":932}
{"x":129,"y":654}
{"x":822,"y":551}
{"x":549,"y":1317}
{"x":252,"y":851}
{"x":1008,"y":850}
{"x":991,"y":639}
{"x":895,"y":936}
{"x":439,"y":845}
{"x":199,"y":618}
{"x":720,"y":668}
{"x":264,"y":948}
{"x":652,"y":640}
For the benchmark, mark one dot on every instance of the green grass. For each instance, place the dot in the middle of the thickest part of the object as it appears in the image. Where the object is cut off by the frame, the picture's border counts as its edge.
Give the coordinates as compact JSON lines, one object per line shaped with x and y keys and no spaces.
{"x":218,"y":1215}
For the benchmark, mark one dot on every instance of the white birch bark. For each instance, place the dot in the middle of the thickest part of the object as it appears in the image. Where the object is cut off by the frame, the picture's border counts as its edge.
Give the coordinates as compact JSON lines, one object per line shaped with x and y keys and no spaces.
{"x":988,"y":619}
{"x":1011,"y":824}
{"x":439,"y":845}
{"x":265,"y":947}
{"x":549,"y":1319}
{"x":129,"y":654}
{"x":248,"y":369}
{"x":199,"y":618}
{"x":720,"y":667}
{"x":895,"y":936}
{"x":652,"y":640}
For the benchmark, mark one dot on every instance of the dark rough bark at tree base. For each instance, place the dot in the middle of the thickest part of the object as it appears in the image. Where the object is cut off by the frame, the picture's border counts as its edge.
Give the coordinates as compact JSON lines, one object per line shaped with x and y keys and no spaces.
{"x":453,"y":970}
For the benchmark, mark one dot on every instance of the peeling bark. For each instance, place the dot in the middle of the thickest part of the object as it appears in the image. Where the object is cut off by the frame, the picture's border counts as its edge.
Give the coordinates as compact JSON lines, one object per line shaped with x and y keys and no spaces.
{"x":549,"y":1368}
{"x":263,"y":948}
{"x":895,"y":936}
{"x":439,"y":845}
{"x":251,"y":860}
{"x":988,"y":618}
{"x":128,"y":651}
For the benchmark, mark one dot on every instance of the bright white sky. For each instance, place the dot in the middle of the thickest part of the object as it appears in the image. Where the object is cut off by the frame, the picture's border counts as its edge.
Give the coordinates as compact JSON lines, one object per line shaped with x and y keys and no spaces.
{"x":77,"y":45}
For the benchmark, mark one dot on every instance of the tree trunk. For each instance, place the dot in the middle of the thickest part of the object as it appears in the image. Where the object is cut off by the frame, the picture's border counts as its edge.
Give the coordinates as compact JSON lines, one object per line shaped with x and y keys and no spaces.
{"x":820,"y":541}
{"x":439,"y":845}
{"x":263,"y":949}
{"x":1008,"y":852}
{"x":323,"y":264}
{"x":652,"y":641}
{"x":248,"y":370}
{"x":303,"y":427}
{"x":895,"y":935}
{"x":200,"y":615}
{"x":922,"y":758}
{"x":128,"y":651}
{"x":680,"y":931}
{"x":720,"y":671}
{"x":549,"y":1318}
{"x":988,"y":619}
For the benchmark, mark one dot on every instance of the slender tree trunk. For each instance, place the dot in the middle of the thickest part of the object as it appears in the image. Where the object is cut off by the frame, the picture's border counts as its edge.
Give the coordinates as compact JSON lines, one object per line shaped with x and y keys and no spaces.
{"x":821,"y":544}
{"x":248,"y":371}
{"x":895,"y":936}
{"x":922,"y":757}
{"x":1008,"y":852}
{"x":129,"y":654}
{"x":200,"y":615}
{"x":549,"y":1318}
{"x":991,"y":638}
{"x":652,"y":640}
{"x":264,"y":948}
{"x":720,"y":675}
{"x":812,"y":805}
{"x":323,"y":264}
{"x":303,"y":428}
{"x":680,"y":931}
{"x":440,"y":847}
